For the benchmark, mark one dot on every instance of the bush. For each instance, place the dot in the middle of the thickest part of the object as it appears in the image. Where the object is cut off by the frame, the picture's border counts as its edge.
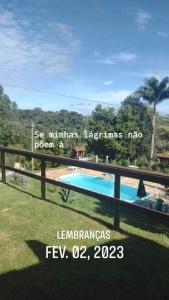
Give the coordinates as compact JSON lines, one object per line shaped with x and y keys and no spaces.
{"x":67,"y":195}
{"x":19,"y":180}
{"x":166,"y":170}
{"x":156,"y":167}
{"x":142,"y":162}
{"x":64,"y":194}
{"x":124,"y":163}
{"x":11,"y":159}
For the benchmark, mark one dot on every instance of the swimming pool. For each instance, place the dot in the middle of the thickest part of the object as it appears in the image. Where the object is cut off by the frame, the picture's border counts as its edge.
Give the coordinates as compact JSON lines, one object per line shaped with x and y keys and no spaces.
{"x":100,"y":185}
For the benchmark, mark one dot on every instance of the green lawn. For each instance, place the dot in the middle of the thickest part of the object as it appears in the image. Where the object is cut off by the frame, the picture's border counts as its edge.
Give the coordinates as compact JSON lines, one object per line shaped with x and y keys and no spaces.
{"x":27,"y":224}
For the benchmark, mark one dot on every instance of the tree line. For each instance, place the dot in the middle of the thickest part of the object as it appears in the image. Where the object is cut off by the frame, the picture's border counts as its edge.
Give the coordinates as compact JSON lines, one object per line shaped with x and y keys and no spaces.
{"x":137,"y":113}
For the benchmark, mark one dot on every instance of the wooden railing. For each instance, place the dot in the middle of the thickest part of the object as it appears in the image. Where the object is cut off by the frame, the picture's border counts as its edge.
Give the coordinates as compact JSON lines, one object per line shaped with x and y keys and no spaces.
{"x":117,"y":171}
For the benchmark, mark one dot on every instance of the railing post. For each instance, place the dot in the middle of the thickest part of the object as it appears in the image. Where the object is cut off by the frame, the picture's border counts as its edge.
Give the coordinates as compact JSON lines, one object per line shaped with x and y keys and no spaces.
{"x":43,"y":175}
{"x":3,"y":166}
{"x":116,"y":202}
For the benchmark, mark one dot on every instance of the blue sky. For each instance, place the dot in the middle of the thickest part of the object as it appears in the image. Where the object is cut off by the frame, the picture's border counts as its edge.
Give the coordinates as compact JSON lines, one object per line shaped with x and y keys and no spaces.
{"x":101,"y":50}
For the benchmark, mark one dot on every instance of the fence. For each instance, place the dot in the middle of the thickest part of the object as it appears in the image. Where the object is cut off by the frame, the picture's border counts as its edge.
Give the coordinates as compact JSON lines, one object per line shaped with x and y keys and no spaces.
{"x":117,"y":171}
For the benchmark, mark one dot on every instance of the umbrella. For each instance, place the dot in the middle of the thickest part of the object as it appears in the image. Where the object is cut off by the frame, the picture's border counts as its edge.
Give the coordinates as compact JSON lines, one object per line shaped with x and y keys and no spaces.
{"x":141,"y":192}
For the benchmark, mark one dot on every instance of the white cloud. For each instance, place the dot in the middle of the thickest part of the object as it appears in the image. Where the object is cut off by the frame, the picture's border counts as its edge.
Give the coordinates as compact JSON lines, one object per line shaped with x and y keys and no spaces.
{"x":157,"y":73}
{"x":143,"y":18}
{"x":118,"y":95}
{"x":125,"y":56}
{"x":27,"y":50}
{"x":65,"y":32}
{"x":106,"y":61}
{"x":108,"y":82}
{"x":141,"y":74}
{"x":163,"y":34}
{"x":111,"y":97}
{"x":118,"y":57}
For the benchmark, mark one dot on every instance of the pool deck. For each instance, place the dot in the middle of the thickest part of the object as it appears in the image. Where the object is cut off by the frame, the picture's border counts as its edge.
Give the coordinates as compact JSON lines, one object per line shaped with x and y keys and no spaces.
{"x":156,"y":190}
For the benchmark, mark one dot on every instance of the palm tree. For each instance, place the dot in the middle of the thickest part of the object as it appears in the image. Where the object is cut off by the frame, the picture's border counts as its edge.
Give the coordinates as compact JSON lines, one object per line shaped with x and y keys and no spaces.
{"x":154,"y":92}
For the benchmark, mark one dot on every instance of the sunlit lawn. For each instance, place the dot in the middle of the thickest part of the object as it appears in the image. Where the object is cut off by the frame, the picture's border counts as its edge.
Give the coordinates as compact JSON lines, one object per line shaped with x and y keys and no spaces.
{"x":27,"y":224}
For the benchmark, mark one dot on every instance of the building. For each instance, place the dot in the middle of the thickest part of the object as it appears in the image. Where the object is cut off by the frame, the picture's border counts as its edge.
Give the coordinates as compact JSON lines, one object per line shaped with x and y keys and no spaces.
{"x":163,"y":157}
{"x":79,"y":151}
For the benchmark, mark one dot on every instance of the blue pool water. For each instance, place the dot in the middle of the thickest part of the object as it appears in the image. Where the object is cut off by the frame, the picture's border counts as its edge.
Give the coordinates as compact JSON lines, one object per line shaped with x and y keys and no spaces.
{"x":100,"y":185}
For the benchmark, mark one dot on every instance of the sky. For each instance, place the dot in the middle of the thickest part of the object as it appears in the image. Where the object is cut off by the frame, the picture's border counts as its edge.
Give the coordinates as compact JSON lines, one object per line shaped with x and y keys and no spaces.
{"x":94,"y":49}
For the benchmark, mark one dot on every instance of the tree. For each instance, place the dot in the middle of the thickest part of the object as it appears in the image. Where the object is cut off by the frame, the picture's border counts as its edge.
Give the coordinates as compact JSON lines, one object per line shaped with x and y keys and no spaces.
{"x":8,"y":114}
{"x":154,"y":92}
{"x":129,"y":121}
{"x":133,"y":116}
{"x":141,"y":114}
{"x":103,"y":119}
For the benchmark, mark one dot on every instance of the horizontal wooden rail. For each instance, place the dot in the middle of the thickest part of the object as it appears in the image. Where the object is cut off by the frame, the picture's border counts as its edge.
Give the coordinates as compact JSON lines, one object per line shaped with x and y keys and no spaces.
{"x":118,"y":171}
{"x":122,"y":171}
{"x":147,"y":211}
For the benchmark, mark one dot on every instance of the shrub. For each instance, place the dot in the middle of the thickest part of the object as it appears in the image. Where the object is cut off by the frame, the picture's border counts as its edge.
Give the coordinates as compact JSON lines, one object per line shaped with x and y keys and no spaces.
{"x":142,"y":162}
{"x":124,"y":163}
{"x":156,"y":167}
{"x":166,"y":170}
{"x":67,"y":195}
{"x":19,"y":180}
{"x":64,"y":194}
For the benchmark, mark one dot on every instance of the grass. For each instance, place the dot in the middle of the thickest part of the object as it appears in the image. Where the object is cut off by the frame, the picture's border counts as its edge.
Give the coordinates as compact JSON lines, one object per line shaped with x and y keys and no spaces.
{"x":28,"y":224}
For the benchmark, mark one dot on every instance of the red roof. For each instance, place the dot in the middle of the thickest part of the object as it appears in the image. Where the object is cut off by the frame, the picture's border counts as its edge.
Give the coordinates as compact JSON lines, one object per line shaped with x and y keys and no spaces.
{"x":164,"y":155}
{"x":79,"y":149}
